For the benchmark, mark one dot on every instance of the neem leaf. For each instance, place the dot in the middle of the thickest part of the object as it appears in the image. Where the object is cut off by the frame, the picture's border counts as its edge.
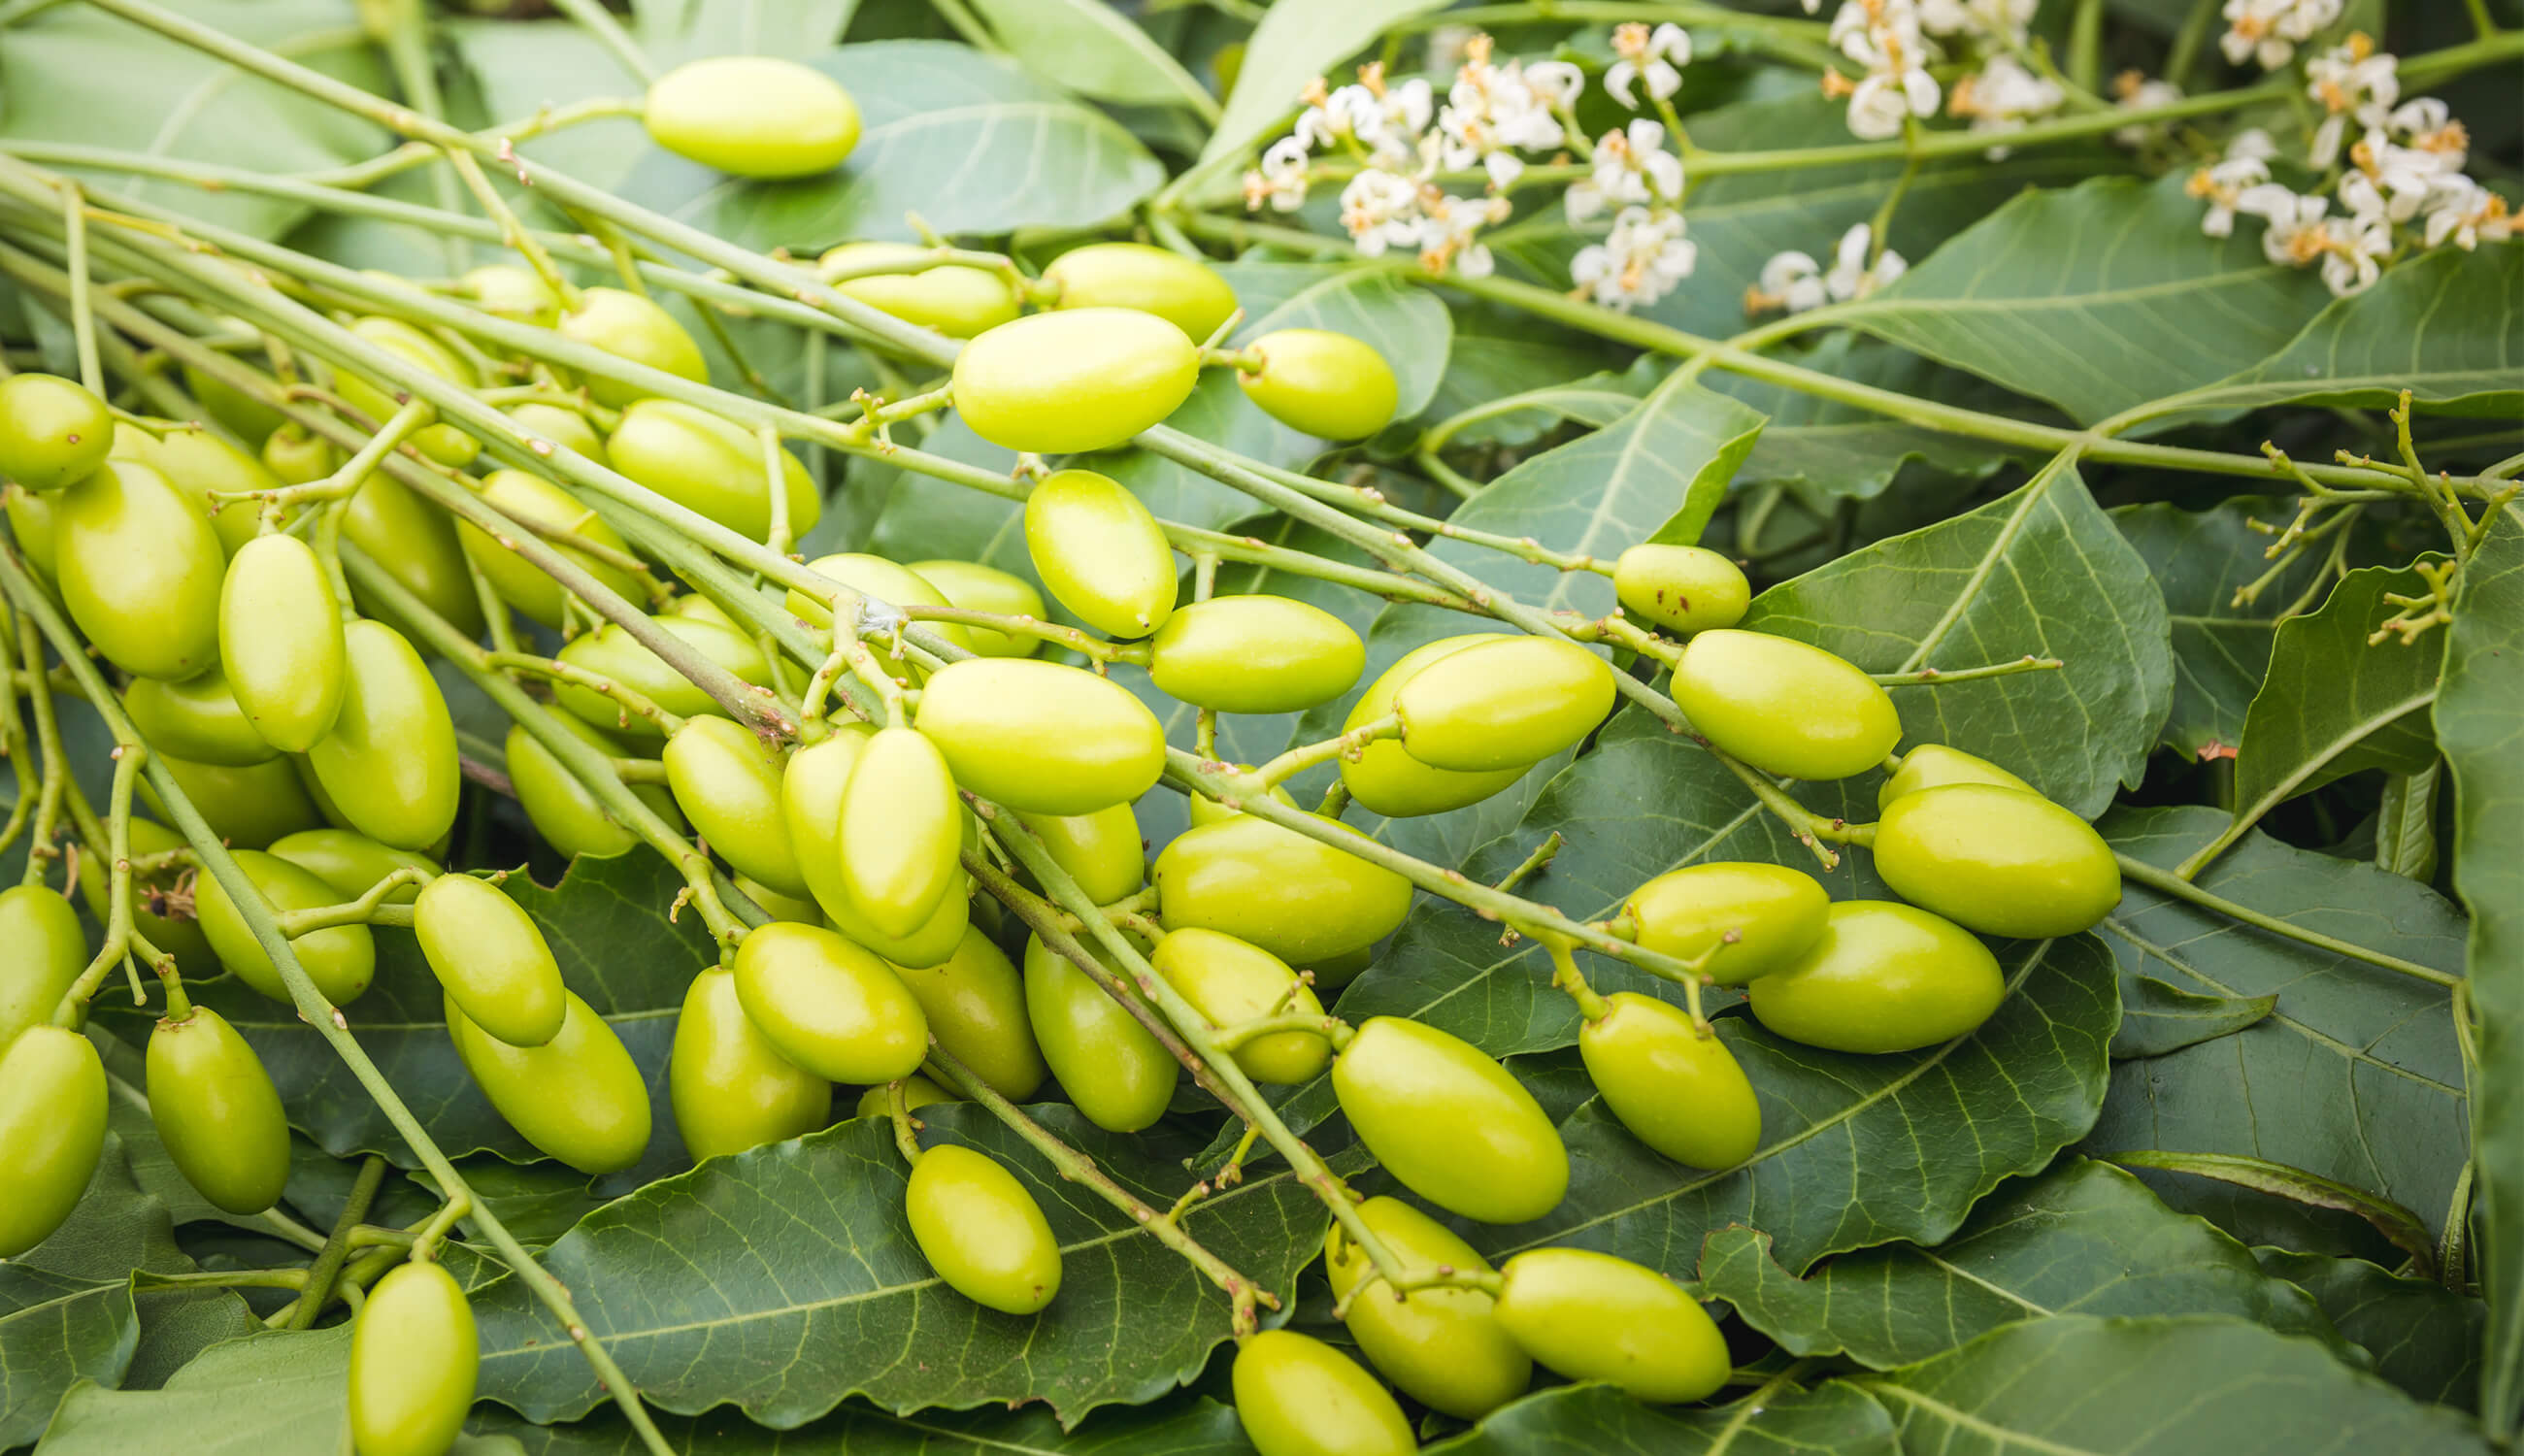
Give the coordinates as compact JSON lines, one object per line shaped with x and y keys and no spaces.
{"x":2222,"y":648}
{"x":1600,"y":1421}
{"x":2423,"y":1336}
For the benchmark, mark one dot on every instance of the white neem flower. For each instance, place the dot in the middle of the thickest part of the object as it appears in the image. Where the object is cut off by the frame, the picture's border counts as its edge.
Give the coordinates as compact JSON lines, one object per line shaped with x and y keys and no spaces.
{"x":2002,"y":21}
{"x":1631,"y":167}
{"x":1385,"y":120}
{"x":1791,"y":282}
{"x":1557,"y":82}
{"x":1851,"y":276}
{"x":2354,"y":254}
{"x":1448,"y":233}
{"x":1492,"y":108}
{"x":2133,"y":91}
{"x":2429,"y":132}
{"x":2003,"y":97}
{"x":1280,"y":179}
{"x":1883,"y":37}
{"x":2224,"y":185}
{"x":1642,"y":260}
{"x":1880,"y":104}
{"x":2466,"y":214}
{"x":1381,"y":210}
{"x":2387,"y":179}
{"x":2296,"y":235}
{"x":2354,"y":83}
{"x":2270,"y":30}
{"x":1651,"y":57}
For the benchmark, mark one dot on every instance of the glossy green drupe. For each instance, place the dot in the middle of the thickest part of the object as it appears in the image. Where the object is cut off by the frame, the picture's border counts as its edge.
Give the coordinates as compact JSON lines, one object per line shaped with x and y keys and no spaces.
{"x":515,"y":292}
{"x":1784,"y":707}
{"x":810,"y":804}
{"x":1503,"y":704}
{"x":752,"y":116}
{"x":731,"y":1088}
{"x":628,"y":326}
{"x":491,"y":958}
{"x":1449,"y":1121}
{"x":1298,"y":1396}
{"x":578,"y":1097}
{"x":1182,"y":291}
{"x":1042,"y":737}
{"x":52,"y":430}
{"x":559,"y":807}
{"x":1933,"y":765}
{"x":390,"y":762}
{"x":1676,"y":1090}
{"x":379,"y":399}
{"x":917,"y":1092}
{"x":1321,"y":383}
{"x":711,"y":464}
{"x":52,"y":1130}
{"x":140,"y":569}
{"x":727,"y":782}
{"x":1102,"y":851}
{"x":612,"y":652}
{"x":902,"y":829}
{"x":956,"y":301}
{"x":1111,"y":1067}
{"x":978,"y":588}
{"x":1595,"y":1317}
{"x":532,"y":499}
{"x":1302,"y":900}
{"x":1684,"y":589}
{"x":562,"y":428}
{"x":1230,"y":982}
{"x":1065,"y":382}
{"x":1885,"y":977}
{"x":1442,"y":1346}
{"x":1998,"y":860}
{"x":200,"y":463}
{"x":1388,"y":780}
{"x":46,"y":948}
{"x":1748,"y":918}
{"x":829,"y":1005}
{"x":198,"y":718}
{"x":218,"y":1113}
{"x":248,"y":807}
{"x":280,"y":641}
{"x":1255,"y":654}
{"x":976,"y":1006}
{"x":980,"y":1228}
{"x":341,"y":960}
{"x":414,"y":541}
{"x":246,"y":416}
{"x":415,"y":1355}
{"x":1099,"y":552}
{"x":352,"y":863}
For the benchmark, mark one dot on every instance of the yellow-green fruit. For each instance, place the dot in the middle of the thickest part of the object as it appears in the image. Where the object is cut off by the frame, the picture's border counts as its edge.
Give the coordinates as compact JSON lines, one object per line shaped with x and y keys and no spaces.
{"x":1933,"y":765}
{"x":628,"y":326}
{"x":52,"y":430}
{"x":390,"y":762}
{"x":1298,"y":1396}
{"x":889,"y":582}
{"x":810,"y":804}
{"x":1113,"y":1069}
{"x":1297,"y":898}
{"x":1101,"y":554}
{"x":341,"y":960}
{"x":1503,"y":704}
{"x":978,"y":588}
{"x":980,"y":1228}
{"x":794,"y":908}
{"x":566,"y":428}
{"x":415,"y":1355}
{"x":140,"y":569}
{"x":1684,"y":589}
{"x":917,"y":1092}
{"x":33,"y":520}
{"x":1784,"y":707}
{"x":280,"y":641}
{"x":380,"y":399}
{"x":976,"y":1006}
{"x":531,"y":500}
{"x":1388,"y":780}
{"x":1182,"y":291}
{"x":247,"y":416}
{"x":1593,"y":1317}
{"x":710,"y":465}
{"x":512,"y":292}
{"x":1207,"y":810}
{"x":578,"y":1097}
{"x":1748,"y":918}
{"x":1884,"y":977}
{"x":612,"y":652}
{"x":1039,"y":737}
{"x":218,"y":1113}
{"x":752,"y":116}
{"x":1677,"y":1091}
{"x":47,"y":948}
{"x":1441,"y":1345}
{"x":958,"y":302}
{"x":1102,"y":851}
{"x":902,"y":828}
{"x":1255,"y":654}
{"x":295,"y":456}
{"x":247,"y":808}
{"x":727,"y":782}
{"x":1065,"y":382}
{"x":52,"y":1130}
{"x":354,"y":863}
{"x":414,"y":541}
{"x":731,"y":1088}
{"x":1450,"y":1123}
{"x":568,"y":816}
{"x":830,"y":1006}
{"x":491,"y":960}
{"x":1230,"y":982}
{"x":197,"y":718}
{"x":1998,"y":860}
{"x":1321,"y":383}
{"x":181,"y":938}
{"x":200,"y":463}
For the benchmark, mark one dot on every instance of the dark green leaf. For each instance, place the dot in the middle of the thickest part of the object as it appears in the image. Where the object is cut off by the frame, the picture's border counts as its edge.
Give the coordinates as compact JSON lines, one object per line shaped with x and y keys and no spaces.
{"x":2400,"y":1227}
{"x":1600,"y":1421}
{"x":2159,"y":1017}
{"x":1094,"y":49}
{"x":2423,"y":1338}
{"x":678,"y":31}
{"x":66,"y":1305}
{"x":1168,"y":1427}
{"x":1831,"y":451}
{"x":2221,"y":649}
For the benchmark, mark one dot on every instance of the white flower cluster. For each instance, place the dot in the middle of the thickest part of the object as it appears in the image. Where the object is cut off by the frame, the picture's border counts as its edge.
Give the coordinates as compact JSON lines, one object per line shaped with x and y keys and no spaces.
{"x":2270,"y":30}
{"x":2003,"y":96}
{"x":1889,"y":39}
{"x":2133,"y":91}
{"x":1792,"y":282}
{"x":1898,"y":40}
{"x":2405,"y":167}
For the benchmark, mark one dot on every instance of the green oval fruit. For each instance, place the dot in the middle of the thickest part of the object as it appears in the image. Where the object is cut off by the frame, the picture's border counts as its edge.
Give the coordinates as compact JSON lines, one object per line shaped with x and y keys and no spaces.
{"x":731,"y":1088}
{"x":181,"y":938}
{"x":810,"y":804}
{"x":1686,"y":589}
{"x":1207,"y":810}
{"x":1229,"y":982}
{"x":903,"y":827}
{"x":752,"y":116}
{"x":52,"y":1130}
{"x":1303,"y":901}
{"x":415,"y":1358}
{"x":296,"y":455}
{"x":352,"y":863}
{"x":47,"y":950}
{"x":1102,"y":850}
{"x":1099,"y":552}
{"x":1065,"y":382}
{"x":390,"y":762}
{"x":1450,"y":1123}
{"x":197,"y":718}
{"x":379,"y":400}
{"x":33,"y":521}
{"x":52,"y":430}
{"x":1298,"y":1396}
{"x":247,"y":808}
{"x":710,"y":465}
{"x":1113,"y":1068}
{"x":532,"y":499}
{"x":727,"y":783}
{"x":1593,"y":1317}
{"x":414,"y":541}
{"x":578,"y":1097}
{"x":218,"y":1112}
{"x":1784,"y":707}
{"x":1884,"y":977}
{"x":1441,"y":1345}
{"x":280,"y":642}
{"x":1182,"y":291}
{"x":200,"y":463}
{"x":980,"y":1228}
{"x":628,"y":326}
{"x":1933,"y":765}
{"x":564,"y":428}
{"x":140,"y":569}
{"x":1503,"y":704}
{"x":1676,"y":1090}
{"x":245,"y":416}
{"x":976,"y":1006}
{"x":1255,"y":654}
{"x":1773,"y":915}
{"x":486,"y":952}
{"x":917,"y":1092}
{"x":978,"y":588}
{"x":1041,"y":737}
{"x":341,"y":960}
{"x":1388,"y":780}
{"x":512,"y":292}
{"x":612,"y":652}
{"x":889,"y":582}
{"x":958,"y":302}
{"x":794,"y":908}
{"x":830,"y":1006}
{"x":1998,"y":860}
{"x":1321,"y":383}
{"x":559,"y":807}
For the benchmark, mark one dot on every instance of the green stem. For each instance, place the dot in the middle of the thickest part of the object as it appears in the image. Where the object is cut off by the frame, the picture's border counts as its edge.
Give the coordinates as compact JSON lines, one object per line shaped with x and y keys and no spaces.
{"x":318,"y":1290}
